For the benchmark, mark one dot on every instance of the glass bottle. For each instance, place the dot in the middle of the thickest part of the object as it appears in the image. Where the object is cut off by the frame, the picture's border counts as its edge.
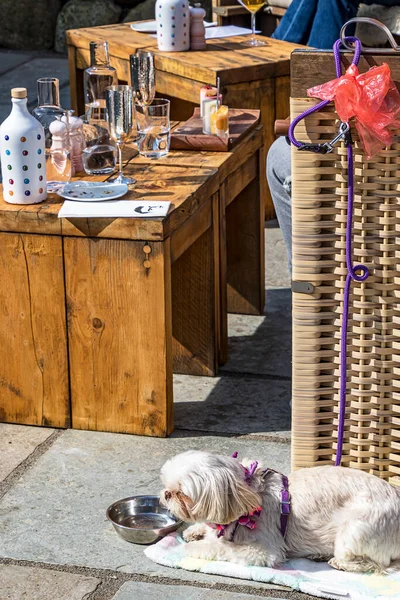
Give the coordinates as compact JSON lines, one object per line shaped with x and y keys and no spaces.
{"x":48,"y":108}
{"x":96,"y":79}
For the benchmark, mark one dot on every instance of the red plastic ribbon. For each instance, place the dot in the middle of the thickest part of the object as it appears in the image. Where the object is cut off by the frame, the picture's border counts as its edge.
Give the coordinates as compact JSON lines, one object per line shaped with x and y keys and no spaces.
{"x":371,"y":98}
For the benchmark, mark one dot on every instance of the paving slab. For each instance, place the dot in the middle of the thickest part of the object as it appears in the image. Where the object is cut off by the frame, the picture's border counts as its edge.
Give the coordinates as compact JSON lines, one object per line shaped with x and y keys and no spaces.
{"x":30,"y":583}
{"x":56,"y":513}
{"x":150,"y":591}
{"x":276,"y":264}
{"x":263,"y":345}
{"x":26,"y":75}
{"x":17,"y":442}
{"x":232,"y":404}
{"x":11,"y":60}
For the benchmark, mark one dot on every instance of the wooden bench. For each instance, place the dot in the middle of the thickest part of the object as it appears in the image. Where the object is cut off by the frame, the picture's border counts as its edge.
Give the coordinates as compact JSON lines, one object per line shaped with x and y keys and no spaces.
{"x":95,"y":314}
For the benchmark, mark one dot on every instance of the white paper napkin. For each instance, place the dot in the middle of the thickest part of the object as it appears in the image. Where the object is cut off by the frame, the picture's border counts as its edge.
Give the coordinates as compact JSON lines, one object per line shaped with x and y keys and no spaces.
{"x":114,"y":208}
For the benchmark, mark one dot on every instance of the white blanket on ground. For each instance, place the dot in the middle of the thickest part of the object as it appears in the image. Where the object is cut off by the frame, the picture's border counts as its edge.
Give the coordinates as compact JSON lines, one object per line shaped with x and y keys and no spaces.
{"x":309,"y":577}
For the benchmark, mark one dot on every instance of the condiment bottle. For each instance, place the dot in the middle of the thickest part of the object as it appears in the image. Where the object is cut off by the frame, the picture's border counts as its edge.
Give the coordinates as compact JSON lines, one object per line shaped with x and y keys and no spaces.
{"x":22,"y":152}
{"x":173,"y":25}
{"x":197,"y":29}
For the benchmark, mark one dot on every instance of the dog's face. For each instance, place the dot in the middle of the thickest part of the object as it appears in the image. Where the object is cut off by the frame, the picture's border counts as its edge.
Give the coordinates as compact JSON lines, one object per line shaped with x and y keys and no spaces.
{"x":204,"y":487}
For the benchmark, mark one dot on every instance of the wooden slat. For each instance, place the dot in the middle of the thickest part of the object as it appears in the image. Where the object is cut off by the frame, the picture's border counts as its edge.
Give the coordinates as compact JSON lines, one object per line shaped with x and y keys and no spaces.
{"x":33,"y":357}
{"x":245,"y":238}
{"x":195,"y":338}
{"x":121,"y":374}
{"x":314,"y":67}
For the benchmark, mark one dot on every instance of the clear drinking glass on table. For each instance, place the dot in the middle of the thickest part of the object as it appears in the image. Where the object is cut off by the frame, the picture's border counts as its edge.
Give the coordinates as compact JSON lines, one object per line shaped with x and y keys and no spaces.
{"x":153,"y":128}
{"x":253,"y":6}
{"x":142,"y":77}
{"x":119,"y":102}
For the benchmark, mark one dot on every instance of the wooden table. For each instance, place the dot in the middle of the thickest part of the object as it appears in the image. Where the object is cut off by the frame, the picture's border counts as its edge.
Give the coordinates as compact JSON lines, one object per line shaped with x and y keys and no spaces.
{"x":250,"y":77}
{"x":95,"y":314}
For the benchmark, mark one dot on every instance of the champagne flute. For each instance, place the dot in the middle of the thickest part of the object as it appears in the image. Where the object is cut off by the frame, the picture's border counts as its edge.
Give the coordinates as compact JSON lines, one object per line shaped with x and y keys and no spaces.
{"x":142,"y":77}
{"x":253,"y":6}
{"x":120,"y":121}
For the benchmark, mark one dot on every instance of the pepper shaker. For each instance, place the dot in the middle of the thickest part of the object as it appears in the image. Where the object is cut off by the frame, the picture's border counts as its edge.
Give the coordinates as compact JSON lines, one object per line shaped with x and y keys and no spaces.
{"x":197,"y":29}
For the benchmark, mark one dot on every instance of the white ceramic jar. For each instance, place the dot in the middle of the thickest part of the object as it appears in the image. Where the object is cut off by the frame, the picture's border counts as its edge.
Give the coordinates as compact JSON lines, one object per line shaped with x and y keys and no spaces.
{"x":22,"y":149}
{"x":173,"y":25}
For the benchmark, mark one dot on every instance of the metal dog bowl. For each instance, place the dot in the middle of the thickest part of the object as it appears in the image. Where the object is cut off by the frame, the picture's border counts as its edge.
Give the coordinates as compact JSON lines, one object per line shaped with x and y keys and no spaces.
{"x":141,"y":519}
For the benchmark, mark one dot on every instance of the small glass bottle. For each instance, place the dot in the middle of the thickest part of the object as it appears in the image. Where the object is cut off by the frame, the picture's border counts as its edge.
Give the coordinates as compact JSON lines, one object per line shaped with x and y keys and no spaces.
{"x":48,"y":108}
{"x":96,"y":79}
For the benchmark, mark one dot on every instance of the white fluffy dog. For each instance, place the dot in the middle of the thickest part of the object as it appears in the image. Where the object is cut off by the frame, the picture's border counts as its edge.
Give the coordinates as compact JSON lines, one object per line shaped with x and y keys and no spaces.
{"x":338,"y":514}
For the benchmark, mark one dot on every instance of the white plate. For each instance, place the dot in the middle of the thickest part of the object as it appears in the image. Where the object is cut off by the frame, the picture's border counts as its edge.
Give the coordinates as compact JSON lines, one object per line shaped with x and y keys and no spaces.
{"x":92,"y":191}
{"x":150,"y":26}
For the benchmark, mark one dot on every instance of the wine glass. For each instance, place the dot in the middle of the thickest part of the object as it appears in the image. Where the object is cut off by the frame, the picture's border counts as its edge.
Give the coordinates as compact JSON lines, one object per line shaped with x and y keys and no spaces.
{"x":253,"y":6}
{"x":120,"y":121}
{"x":142,"y":77}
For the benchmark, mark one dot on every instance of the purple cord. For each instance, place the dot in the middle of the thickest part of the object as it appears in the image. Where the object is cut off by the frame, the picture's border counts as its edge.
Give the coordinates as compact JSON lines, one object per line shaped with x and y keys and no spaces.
{"x":351,"y":270}
{"x":320,"y":105}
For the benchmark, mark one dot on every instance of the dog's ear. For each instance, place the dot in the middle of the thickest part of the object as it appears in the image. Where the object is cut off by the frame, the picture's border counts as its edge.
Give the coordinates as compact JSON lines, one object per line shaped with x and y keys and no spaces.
{"x":222,"y":495}
{"x":185,"y":503}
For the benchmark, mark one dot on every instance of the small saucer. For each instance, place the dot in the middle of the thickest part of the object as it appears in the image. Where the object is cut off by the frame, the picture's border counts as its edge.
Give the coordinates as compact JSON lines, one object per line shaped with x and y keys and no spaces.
{"x":92,"y":191}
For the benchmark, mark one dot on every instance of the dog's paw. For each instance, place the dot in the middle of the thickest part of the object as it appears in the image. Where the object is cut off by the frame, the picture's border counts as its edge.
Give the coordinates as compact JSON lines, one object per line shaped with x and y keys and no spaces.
{"x":195,"y":532}
{"x":201,"y":550}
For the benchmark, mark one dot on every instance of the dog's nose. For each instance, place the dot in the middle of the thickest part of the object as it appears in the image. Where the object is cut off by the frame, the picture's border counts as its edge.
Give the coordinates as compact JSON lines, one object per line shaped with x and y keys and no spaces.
{"x":167,"y":495}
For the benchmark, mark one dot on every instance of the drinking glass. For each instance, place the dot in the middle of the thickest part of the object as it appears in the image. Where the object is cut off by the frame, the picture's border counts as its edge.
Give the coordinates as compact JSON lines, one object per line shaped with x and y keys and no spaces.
{"x":120,"y":121}
{"x":142,"y":77}
{"x":153,"y":128}
{"x":253,"y":6}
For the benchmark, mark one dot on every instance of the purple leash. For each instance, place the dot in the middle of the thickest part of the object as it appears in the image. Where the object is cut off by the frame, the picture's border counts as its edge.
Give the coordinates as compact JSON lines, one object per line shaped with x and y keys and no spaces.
{"x":351,"y":270}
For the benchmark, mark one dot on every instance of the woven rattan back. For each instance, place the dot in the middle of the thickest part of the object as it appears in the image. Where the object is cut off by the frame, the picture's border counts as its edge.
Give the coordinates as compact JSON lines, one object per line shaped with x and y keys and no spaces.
{"x":319,"y":195}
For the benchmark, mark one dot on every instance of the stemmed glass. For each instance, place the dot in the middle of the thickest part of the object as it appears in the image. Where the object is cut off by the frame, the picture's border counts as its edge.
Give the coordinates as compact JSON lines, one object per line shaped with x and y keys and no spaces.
{"x":120,"y":121}
{"x":142,"y":77}
{"x":253,"y":6}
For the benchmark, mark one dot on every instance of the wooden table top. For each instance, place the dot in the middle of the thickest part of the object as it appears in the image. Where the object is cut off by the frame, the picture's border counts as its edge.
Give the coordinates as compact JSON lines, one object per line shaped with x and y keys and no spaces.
{"x":226,"y":58}
{"x":186,"y":179}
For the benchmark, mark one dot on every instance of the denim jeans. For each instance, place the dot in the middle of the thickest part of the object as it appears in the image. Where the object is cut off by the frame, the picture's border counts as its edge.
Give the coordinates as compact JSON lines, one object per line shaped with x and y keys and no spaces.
{"x":279,"y":175}
{"x":317,"y":23}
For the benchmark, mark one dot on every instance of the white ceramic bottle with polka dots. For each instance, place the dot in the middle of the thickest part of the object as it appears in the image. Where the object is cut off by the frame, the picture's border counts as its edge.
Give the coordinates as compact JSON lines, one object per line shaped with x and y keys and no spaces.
{"x":22,"y":151}
{"x":173,"y":25}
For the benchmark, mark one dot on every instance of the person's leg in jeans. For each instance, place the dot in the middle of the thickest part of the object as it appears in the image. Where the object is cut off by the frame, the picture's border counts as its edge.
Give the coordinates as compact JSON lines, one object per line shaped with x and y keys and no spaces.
{"x":279,"y":175}
{"x":316,"y":23}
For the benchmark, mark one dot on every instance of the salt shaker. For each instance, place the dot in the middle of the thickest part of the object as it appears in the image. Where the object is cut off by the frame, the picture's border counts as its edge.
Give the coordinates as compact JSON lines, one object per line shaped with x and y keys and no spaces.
{"x":197,"y":29}
{"x":173,"y":25}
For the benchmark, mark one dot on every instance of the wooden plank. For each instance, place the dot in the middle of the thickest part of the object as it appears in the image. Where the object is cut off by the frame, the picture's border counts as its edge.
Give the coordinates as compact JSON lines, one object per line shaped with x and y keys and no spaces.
{"x":239,"y":179}
{"x":282,"y":97}
{"x":194,"y":305}
{"x":245,"y":239}
{"x":261,"y":97}
{"x":119,"y":327}
{"x":223,"y":284}
{"x":230,"y":11}
{"x":190,"y":231}
{"x":314,"y":67}
{"x":33,"y":339}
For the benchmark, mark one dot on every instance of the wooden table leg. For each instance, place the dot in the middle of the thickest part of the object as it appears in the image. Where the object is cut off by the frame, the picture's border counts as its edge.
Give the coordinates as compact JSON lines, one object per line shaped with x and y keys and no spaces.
{"x":120,"y":335}
{"x":195,"y":293}
{"x":245,"y":249}
{"x":33,"y":337}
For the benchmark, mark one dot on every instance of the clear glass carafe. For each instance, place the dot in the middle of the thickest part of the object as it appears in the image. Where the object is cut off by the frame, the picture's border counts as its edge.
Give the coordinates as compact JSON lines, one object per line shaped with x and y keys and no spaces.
{"x":96,"y":79}
{"x":48,"y":108}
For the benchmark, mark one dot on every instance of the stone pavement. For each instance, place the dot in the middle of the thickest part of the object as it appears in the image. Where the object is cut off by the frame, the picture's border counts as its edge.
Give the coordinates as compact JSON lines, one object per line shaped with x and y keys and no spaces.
{"x":55,"y":542}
